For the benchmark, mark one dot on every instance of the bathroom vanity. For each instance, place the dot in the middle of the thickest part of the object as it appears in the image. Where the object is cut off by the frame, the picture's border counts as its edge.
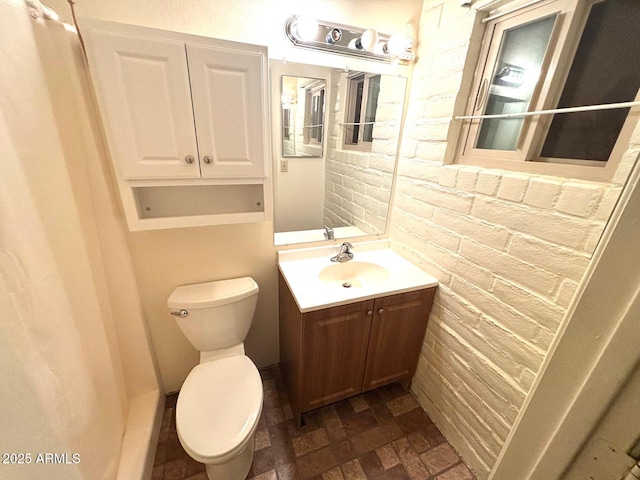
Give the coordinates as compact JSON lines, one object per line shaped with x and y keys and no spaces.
{"x":337,"y":341}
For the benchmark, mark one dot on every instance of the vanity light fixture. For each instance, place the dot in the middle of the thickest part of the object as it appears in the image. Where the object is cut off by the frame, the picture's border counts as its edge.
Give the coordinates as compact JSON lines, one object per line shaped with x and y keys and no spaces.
{"x":347,"y":40}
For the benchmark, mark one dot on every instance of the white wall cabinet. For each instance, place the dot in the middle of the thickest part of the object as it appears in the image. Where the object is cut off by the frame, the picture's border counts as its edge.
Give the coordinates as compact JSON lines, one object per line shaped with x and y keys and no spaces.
{"x":182,"y":111}
{"x":228,"y":107}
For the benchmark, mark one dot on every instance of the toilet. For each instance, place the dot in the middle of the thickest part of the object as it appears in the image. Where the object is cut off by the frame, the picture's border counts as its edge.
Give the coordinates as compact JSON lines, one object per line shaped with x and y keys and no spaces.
{"x":220,"y":402}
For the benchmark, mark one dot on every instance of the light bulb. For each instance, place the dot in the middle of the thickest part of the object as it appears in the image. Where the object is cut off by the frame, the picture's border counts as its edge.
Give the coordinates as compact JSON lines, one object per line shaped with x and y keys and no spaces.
{"x":307,"y":28}
{"x":397,"y":44}
{"x":368,"y":40}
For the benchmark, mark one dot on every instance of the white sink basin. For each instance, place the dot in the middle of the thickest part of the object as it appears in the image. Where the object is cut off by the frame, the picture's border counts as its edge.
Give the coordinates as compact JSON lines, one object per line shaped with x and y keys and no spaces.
{"x":375,"y":270}
{"x":354,"y":274}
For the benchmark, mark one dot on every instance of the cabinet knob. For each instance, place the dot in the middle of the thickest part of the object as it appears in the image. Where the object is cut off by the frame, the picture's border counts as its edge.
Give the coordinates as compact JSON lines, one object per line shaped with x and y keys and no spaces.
{"x":208,"y":160}
{"x":381,"y":311}
{"x":189,"y":159}
{"x":369,"y":313}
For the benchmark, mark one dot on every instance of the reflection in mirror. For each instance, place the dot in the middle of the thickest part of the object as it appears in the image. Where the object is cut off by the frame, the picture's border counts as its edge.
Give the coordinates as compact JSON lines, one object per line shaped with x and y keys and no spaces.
{"x":362,"y":104}
{"x":344,"y":192}
{"x":302,"y":116}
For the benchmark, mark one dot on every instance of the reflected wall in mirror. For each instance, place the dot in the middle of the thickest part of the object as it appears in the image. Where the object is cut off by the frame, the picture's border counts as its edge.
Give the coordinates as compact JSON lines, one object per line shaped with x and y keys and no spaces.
{"x":302,"y":124}
{"x":348,"y":187}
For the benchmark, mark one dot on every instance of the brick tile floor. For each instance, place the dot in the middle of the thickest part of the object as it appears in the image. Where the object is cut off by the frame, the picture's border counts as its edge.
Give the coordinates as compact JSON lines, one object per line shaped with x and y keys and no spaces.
{"x":381,"y":435}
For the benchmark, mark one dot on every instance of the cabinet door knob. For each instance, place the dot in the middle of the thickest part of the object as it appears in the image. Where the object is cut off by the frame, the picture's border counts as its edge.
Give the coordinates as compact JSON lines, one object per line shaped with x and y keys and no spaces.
{"x":208,"y":160}
{"x":381,"y":311}
{"x":189,"y":159}
{"x":369,"y":313}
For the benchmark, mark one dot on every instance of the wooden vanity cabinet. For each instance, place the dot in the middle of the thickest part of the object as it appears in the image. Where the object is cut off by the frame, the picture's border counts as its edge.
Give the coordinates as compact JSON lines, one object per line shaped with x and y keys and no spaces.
{"x":331,"y":354}
{"x":334,"y":351}
{"x":397,"y":331}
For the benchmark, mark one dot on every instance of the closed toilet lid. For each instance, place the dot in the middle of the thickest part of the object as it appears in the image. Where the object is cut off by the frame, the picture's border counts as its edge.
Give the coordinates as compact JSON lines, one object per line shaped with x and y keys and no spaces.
{"x":212,"y":294}
{"x":218,"y":407}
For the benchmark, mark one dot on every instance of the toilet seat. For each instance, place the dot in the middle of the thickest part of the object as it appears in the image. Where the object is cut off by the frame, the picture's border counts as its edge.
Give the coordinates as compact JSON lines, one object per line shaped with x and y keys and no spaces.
{"x":218,"y":408}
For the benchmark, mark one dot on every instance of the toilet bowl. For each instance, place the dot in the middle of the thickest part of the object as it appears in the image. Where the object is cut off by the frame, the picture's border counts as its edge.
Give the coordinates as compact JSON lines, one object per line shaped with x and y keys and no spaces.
{"x":220,"y":402}
{"x":217,"y":413}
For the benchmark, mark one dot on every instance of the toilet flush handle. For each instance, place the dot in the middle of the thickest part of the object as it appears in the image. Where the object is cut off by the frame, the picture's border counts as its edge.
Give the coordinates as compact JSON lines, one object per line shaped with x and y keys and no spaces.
{"x":180,"y":313}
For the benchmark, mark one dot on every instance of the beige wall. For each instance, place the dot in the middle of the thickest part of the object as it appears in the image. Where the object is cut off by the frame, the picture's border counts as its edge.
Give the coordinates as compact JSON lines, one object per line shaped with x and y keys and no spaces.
{"x":508,"y":249}
{"x":165,"y":259}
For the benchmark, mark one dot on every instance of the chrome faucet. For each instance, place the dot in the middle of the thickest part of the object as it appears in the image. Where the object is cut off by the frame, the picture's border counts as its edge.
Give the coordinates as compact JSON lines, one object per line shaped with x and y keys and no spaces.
{"x":328,"y":233}
{"x":344,"y":255}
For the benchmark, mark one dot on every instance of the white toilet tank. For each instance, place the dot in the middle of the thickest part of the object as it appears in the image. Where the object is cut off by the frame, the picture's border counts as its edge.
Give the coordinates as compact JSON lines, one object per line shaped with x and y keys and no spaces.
{"x":215,"y":315}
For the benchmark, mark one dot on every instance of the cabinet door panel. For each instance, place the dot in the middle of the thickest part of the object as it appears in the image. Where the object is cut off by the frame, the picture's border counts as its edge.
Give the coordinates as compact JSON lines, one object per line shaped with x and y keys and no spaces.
{"x":335,"y":349}
{"x":144,"y":89}
{"x":397,"y":331}
{"x":227,"y":90}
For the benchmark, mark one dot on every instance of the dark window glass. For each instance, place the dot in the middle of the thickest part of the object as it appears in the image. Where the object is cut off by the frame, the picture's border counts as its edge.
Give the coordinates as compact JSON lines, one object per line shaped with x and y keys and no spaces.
{"x":606,"y":69}
{"x":515,"y":76}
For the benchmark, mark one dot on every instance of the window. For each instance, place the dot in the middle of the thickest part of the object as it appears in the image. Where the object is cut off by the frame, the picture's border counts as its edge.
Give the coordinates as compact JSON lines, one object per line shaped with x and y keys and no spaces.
{"x":286,"y":123}
{"x":362,"y":103}
{"x":555,"y":54}
{"x":314,"y":114}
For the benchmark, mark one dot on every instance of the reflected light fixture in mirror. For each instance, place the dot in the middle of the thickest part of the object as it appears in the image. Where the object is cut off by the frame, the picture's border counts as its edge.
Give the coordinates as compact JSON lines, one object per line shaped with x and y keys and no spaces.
{"x":304,"y":32}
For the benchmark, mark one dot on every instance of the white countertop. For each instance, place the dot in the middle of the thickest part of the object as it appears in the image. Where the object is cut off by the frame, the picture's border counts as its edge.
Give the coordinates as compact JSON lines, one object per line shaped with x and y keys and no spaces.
{"x":301,"y":269}
{"x":317,"y":235}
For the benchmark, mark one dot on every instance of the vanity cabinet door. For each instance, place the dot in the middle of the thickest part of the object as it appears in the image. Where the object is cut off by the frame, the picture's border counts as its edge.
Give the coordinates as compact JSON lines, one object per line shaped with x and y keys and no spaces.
{"x":397,"y":331}
{"x":334,"y":342}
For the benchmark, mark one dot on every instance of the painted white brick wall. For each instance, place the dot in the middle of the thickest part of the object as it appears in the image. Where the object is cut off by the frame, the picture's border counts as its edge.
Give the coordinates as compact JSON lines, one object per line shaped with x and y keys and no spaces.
{"x":358,"y":184}
{"x":508,"y":249}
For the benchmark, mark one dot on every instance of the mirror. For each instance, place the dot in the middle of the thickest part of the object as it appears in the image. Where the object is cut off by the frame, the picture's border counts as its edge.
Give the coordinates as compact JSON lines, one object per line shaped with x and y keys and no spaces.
{"x":302,"y":123}
{"x":334,"y":181}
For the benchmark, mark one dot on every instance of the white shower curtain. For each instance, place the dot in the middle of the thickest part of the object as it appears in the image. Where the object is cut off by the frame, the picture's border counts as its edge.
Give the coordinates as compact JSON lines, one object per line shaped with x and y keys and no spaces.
{"x":61,"y":379}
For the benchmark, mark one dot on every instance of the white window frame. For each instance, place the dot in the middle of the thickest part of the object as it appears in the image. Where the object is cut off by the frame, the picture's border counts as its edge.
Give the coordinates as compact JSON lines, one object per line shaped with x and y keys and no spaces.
{"x":314,"y":90}
{"x":563,"y":43}
{"x":351,"y":110}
